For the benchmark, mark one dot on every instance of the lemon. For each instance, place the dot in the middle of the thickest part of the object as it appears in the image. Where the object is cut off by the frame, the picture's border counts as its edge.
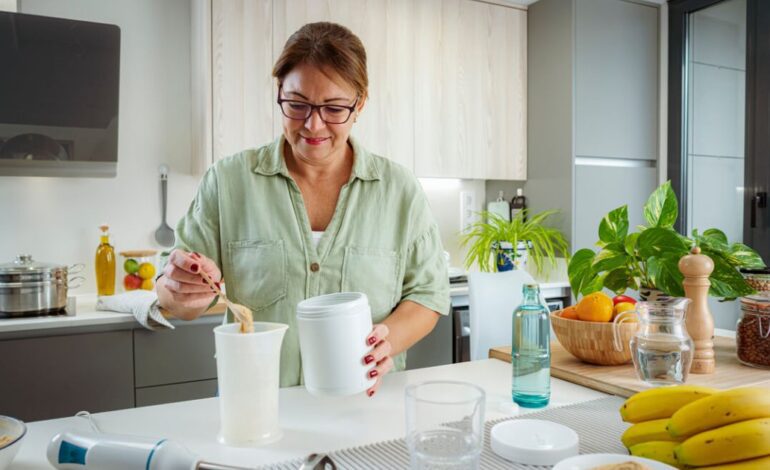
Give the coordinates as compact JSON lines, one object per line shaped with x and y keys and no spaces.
{"x":595,"y":307}
{"x":147,"y":284}
{"x":621,"y":307}
{"x":146,"y":271}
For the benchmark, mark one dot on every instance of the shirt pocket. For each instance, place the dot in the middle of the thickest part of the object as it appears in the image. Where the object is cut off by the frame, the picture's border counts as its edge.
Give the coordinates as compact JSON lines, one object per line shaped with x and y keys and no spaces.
{"x":375,"y":272}
{"x":259,"y":269}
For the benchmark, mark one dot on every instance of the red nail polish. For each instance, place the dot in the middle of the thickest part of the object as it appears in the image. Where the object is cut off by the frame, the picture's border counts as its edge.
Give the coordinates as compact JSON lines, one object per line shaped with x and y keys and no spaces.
{"x":368,"y":359}
{"x":194,"y":268}
{"x":373,"y":373}
{"x":371,"y":340}
{"x":370,"y":392}
{"x":218,"y":285}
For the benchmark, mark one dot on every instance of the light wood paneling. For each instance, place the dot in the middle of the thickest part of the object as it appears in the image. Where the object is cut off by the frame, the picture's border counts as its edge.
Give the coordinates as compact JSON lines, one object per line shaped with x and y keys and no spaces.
{"x":386,"y":125}
{"x":201,"y":86}
{"x":622,"y":380}
{"x":243,"y":95}
{"x":470,"y":90}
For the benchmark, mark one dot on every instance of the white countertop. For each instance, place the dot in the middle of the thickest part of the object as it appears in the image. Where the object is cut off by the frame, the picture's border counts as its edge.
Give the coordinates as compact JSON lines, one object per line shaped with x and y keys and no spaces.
{"x":310,"y":424}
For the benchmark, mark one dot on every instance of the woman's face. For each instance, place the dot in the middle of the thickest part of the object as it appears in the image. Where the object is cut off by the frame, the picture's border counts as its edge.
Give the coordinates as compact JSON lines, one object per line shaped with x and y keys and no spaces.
{"x":314,"y":141}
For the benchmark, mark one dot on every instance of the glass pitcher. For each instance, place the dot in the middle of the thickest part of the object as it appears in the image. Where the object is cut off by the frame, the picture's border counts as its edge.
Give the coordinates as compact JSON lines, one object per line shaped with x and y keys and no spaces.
{"x":661,"y":349}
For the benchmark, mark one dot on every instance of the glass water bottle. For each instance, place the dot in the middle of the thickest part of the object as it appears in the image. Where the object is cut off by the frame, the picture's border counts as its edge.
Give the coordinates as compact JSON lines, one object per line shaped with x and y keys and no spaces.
{"x":531,"y":351}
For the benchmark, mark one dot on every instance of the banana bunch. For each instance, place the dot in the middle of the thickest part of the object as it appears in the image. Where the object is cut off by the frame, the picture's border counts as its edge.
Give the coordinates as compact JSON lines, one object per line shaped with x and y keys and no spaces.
{"x":691,"y":426}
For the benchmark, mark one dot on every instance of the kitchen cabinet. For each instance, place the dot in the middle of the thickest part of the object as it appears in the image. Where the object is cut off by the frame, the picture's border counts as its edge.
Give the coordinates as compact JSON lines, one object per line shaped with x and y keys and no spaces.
{"x":447,"y":79}
{"x":150,"y":396}
{"x":57,"y":376}
{"x":594,"y":115}
{"x":243,"y":95}
{"x":470,"y":90}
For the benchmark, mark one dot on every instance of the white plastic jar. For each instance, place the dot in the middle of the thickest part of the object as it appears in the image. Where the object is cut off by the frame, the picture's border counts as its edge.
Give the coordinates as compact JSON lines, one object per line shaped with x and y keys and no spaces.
{"x":332,"y":332}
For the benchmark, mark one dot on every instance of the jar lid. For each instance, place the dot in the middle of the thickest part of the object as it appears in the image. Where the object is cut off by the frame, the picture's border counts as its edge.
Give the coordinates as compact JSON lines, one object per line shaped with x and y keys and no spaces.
{"x":765,"y":270}
{"x":533,"y":441}
{"x":24,"y":264}
{"x":137,"y":253}
{"x":758,"y":303}
{"x":332,"y":305}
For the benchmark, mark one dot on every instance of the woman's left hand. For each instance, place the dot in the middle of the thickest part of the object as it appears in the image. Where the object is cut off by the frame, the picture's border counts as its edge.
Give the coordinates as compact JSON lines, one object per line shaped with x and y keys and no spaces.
{"x":379,"y":357}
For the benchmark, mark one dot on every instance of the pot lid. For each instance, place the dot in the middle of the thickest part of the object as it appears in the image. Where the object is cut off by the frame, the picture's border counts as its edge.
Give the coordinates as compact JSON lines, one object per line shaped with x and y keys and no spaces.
{"x":25,"y":264}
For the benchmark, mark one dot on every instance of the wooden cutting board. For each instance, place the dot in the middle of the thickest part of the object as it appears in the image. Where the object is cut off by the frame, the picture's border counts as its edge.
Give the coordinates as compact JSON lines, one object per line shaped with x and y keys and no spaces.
{"x":622,"y":380}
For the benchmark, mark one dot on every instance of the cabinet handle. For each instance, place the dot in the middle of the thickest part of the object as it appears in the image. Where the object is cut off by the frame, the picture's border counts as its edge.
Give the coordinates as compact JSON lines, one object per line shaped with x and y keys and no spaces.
{"x":758,"y":201}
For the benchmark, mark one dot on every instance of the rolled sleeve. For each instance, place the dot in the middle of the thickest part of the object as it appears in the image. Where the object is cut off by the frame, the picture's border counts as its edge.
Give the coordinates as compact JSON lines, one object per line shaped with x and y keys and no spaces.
{"x":199,"y":229}
{"x":426,"y":280}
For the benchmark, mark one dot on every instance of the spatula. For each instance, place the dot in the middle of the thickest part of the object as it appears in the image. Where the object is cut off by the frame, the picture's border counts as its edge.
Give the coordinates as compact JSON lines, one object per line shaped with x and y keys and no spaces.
{"x":164,"y":235}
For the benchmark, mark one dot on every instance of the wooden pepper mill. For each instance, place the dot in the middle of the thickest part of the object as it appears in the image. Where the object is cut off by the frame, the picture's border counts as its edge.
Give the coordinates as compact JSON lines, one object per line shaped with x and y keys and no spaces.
{"x":700,"y":324}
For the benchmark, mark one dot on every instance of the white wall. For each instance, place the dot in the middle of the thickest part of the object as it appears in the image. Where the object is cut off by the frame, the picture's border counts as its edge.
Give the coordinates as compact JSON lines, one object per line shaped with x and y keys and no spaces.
{"x":56,"y":219}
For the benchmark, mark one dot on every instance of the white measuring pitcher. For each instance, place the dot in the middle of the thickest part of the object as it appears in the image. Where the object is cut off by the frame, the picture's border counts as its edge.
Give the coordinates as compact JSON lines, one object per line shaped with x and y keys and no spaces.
{"x":248,"y":370}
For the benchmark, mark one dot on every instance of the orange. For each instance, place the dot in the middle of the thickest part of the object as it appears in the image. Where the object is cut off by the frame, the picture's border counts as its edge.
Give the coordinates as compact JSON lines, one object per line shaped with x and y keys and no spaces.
{"x":570,"y":312}
{"x":595,"y":307}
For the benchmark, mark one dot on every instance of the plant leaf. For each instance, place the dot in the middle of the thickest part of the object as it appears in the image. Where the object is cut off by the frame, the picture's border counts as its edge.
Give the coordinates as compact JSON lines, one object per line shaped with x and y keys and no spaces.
{"x":743,"y":256}
{"x":614,"y":225}
{"x":715,"y":234}
{"x":619,"y":281}
{"x":630,"y":244}
{"x":726,"y":281}
{"x":662,"y":208}
{"x":657,"y":241}
{"x":610,"y":259}
{"x":665,"y":275}
{"x":581,"y":274}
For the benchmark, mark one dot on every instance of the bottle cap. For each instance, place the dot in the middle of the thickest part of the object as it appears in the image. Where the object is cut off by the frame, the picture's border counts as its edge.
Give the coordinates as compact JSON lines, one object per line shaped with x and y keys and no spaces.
{"x":104,"y":227}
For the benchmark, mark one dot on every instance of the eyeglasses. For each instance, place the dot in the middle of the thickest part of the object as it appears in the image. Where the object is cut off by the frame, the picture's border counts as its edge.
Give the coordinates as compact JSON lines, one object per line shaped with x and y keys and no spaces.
{"x":329,"y":113}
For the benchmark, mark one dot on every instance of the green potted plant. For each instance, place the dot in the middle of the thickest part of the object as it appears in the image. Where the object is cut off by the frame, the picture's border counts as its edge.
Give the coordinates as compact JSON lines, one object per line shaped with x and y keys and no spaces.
{"x":504,"y":241}
{"x":648,"y":260}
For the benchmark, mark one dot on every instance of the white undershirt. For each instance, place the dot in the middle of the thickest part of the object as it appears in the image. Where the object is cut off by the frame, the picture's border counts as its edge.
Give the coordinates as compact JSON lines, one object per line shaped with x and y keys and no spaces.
{"x":317,"y":238}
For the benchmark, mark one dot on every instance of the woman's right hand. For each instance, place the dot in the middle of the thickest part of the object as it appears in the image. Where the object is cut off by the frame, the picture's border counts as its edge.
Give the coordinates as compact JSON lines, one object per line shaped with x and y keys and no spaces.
{"x":181,"y":289}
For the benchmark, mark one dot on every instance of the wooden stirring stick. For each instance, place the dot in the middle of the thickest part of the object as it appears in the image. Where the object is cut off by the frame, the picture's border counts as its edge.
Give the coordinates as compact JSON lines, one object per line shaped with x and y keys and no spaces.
{"x":242,"y":313}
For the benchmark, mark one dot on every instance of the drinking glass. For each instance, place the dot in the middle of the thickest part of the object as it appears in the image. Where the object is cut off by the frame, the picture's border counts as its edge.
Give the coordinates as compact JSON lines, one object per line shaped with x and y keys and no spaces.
{"x":444,"y":425}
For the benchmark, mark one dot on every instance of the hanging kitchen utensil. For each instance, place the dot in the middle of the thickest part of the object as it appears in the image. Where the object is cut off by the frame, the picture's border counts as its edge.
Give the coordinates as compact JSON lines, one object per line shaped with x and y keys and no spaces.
{"x":165,"y":234}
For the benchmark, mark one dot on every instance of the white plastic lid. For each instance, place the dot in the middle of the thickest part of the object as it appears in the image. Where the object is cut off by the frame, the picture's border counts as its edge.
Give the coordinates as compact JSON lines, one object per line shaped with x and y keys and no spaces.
{"x":332,"y":305}
{"x":533,"y":441}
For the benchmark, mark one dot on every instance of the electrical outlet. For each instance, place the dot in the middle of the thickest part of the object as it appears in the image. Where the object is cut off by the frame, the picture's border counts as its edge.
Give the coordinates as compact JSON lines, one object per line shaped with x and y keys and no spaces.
{"x":467,"y":209}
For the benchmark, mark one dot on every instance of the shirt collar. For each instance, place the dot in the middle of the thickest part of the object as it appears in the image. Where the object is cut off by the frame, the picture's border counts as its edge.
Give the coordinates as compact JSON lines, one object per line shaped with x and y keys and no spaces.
{"x":365,"y":166}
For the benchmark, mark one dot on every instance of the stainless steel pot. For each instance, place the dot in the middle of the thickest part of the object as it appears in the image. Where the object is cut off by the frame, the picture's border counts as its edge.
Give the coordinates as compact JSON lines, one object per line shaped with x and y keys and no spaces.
{"x":28,"y":287}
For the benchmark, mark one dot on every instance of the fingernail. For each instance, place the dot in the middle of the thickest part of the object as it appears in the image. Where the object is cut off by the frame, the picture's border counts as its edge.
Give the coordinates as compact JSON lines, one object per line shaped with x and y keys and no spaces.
{"x":194,"y":268}
{"x":371,"y":340}
{"x":218,"y":286}
{"x":370,"y":392}
{"x":373,"y":373}
{"x":195,"y":255}
{"x":368,"y":359}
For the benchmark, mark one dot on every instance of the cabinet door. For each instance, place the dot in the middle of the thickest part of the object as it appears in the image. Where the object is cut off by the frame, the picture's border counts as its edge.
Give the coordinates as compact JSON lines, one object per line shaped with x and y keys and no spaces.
{"x":57,"y":376}
{"x":470,"y":90}
{"x":616,"y":79}
{"x":243,"y":94}
{"x":386,"y":125}
{"x":184,"y":354}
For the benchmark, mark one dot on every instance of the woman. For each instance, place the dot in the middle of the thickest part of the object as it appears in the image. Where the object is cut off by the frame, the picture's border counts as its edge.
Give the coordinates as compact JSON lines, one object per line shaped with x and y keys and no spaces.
{"x":314,"y":213}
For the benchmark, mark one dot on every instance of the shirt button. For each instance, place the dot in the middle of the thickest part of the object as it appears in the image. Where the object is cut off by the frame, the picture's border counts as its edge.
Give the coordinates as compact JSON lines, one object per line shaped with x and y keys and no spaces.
{"x":315,"y":267}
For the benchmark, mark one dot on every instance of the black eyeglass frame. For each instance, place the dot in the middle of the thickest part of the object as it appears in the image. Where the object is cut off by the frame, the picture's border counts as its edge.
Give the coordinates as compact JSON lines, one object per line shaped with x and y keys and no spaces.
{"x":313,"y":107}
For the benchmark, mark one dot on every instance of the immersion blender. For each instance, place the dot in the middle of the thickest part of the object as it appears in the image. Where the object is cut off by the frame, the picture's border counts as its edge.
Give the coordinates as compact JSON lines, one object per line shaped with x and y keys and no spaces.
{"x":98,"y":451}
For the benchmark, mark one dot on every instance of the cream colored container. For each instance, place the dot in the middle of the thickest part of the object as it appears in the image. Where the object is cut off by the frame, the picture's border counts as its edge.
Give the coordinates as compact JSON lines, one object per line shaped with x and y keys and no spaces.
{"x":332,"y":337}
{"x":248,"y":369}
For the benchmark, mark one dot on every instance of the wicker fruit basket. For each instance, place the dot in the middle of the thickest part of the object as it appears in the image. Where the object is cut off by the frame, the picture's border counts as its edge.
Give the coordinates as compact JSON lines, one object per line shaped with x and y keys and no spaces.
{"x":593,"y":342}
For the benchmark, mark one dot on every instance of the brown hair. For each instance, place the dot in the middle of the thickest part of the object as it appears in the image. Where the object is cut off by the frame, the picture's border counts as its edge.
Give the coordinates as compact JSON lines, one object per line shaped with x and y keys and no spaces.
{"x":323,"y":45}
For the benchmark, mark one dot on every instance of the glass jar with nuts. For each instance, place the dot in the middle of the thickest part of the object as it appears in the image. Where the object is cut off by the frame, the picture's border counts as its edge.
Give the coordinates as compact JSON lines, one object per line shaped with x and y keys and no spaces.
{"x":752,"y":334}
{"x":759,"y":279}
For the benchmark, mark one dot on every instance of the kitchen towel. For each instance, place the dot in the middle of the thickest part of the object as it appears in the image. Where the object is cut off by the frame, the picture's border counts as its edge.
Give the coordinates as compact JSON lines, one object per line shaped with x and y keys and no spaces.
{"x":597,"y":422}
{"x":143,"y":304}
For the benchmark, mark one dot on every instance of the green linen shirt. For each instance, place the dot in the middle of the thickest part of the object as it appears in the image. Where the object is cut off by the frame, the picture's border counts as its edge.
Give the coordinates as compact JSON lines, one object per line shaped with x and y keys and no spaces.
{"x":249,"y":217}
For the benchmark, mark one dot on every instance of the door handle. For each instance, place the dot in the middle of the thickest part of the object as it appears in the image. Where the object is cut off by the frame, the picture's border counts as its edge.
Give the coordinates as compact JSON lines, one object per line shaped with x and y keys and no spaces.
{"x":758,"y":201}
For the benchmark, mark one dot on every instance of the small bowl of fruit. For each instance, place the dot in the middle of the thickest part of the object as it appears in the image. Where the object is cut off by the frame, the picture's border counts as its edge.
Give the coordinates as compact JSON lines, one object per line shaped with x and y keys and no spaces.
{"x":587,"y":331}
{"x":139,"y":269}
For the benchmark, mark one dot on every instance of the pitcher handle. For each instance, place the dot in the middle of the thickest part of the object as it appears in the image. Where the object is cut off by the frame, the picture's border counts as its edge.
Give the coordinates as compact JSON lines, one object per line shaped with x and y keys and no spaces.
{"x":620,"y":318}
{"x":75,"y":268}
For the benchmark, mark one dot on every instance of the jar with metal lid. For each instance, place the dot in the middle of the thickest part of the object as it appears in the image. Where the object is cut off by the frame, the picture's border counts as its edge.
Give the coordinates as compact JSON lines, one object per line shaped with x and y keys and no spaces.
{"x":752,"y":334}
{"x":758,"y":279}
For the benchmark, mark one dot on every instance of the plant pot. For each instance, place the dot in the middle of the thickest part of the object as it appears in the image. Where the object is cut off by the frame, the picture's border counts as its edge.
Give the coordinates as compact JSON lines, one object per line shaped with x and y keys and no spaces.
{"x":506,"y":259}
{"x":654,"y":295}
